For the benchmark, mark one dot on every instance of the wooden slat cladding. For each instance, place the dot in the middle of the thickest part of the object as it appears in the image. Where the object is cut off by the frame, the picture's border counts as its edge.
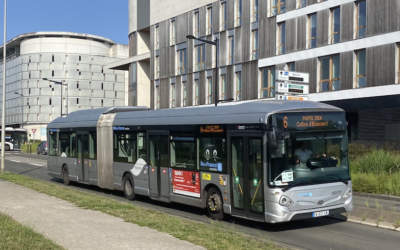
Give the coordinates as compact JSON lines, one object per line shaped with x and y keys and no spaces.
{"x":246,"y":12}
{"x":230,"y":81}
{"x":165,"y":87}
{"x":215,"y":12}
{"x":171,"y":63}
{"x":250,"y":74}
{"x":397,"y":10}
{"x":246,"y":42}
{"x":202,"y":87}
{"x":291,"y":5}
{"x":182,"y":29}
{"x":202,"y":20}
{"x":209,"y":54}
{"x":230,"y":14}
{"x":301,"y":34}
{"x":309,"y":66}
{"x":372,"y":123}
{"x":190,"y":23}
{"x":346,"y":70}
{"x":190,"y":59}
{"x":346,"y":22}
{"x":164,"y":62}
{"x":310,"y":2}
{"x":222,"y":49}
{"x":164,"y":33}
{"x":152,"y":27}
{"x":262,"y":10}
{"x":152,"y":93}
{"x":323,"y":27}
{"x":382,"y":17}
{"x":381,"y":65}
{"x":178,"y":91}
{"x":189,"y":90}
{"x":291,"y":35}
{"x":238,"y":45}
{"x":270,"y":37}
{"x":280,"y":66}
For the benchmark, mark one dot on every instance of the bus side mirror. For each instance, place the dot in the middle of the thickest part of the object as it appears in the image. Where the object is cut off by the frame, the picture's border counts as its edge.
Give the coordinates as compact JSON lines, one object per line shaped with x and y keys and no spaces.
{"x":272,"y":139}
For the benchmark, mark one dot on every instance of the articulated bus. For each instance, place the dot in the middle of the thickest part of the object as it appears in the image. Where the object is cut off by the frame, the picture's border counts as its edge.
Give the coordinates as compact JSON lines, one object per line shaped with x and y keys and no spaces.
{"x":269,"y":161}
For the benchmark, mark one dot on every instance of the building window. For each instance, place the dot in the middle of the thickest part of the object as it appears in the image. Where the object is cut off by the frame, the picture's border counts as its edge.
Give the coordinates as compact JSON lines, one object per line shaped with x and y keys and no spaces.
{"x":361,"y":19}
{"x":196,"y":24}
{"x":398,"y":63}
{"x":209,"y":21}
{"x":267,"y":82}
{"x":329,"y":73}
{"x":335,"y":25}
{"x":173,"y":32}
{"x":291,"y":66}
{"x":184,"y":94}
{"x":254,"y":44}
{"x":182,"y":60}
{"x":238,"y":86}
{"x":301,"y":3}
{"x":361,"y":66}
{"x":312,"y":31}
{"x":209,"y":90}
{"x":200,"y":57}
{"x":173,"y":95}
{"x":157,"y":67}
{"x":282,"y":38}
{"x":277,"y":7}
{"x":223,"y":87}
{"x":254,"y":11}
{"x":238,"y":13}
{"x":196,"y":92}
{"x":223,"y":16}
{"x":231,"y":46}
{"x":157,"y":35}
{"x":157,"y":97}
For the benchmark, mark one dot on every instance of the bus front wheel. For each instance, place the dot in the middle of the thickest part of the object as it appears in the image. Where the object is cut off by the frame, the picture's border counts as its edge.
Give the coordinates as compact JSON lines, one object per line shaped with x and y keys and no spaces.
{"x":129,"y":187}
{"x":214,"y":204}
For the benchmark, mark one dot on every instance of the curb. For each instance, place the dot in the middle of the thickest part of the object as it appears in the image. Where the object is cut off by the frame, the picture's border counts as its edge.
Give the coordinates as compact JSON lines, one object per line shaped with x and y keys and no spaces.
{"x":384,"y":225}
{"x":378,"y":196}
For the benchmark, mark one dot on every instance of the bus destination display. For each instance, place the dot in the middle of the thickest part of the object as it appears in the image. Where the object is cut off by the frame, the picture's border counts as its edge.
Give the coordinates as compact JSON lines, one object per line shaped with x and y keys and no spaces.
{"x":211,"y":129}
{"x":323,"y":121}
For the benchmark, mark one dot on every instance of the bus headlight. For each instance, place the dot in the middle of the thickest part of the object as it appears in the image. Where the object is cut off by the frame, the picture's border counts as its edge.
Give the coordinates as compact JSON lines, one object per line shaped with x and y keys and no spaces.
{"x":285,"y":201}
{"x":348,"y":193}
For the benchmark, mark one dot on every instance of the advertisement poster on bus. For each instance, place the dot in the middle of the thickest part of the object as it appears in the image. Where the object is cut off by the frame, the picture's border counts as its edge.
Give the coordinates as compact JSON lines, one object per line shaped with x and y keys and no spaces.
{"x":186,"y":183}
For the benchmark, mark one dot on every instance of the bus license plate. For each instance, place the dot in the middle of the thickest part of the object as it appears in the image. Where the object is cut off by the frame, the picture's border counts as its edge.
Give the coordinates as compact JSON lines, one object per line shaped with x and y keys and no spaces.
{"x":319,"y":214}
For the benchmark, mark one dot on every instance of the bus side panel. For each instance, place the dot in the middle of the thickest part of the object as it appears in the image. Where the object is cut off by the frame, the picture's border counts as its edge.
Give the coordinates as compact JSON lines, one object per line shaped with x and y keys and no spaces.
{"x":221,"y":181}
{"x":52,"y":166}
{"x":93,"y":172}
{"x":140,"y":178}
{"x":72,"y":167}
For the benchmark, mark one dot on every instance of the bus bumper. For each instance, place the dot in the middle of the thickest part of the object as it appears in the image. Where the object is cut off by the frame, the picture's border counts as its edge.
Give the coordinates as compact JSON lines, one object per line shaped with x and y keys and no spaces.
{"x":278,"y":213}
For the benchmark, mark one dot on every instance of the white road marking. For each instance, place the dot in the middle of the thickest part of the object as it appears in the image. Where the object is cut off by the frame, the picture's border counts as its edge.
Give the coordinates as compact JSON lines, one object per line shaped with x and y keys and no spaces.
{"x":36,"y":164}
{"x":15,"y":161}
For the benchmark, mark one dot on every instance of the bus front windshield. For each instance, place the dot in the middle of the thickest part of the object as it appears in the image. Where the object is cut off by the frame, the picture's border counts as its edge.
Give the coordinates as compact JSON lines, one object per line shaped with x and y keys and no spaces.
{"x":309,"y":158}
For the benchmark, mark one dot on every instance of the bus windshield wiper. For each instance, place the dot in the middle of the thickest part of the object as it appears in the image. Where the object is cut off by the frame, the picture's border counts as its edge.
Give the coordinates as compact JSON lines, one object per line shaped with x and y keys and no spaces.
{"x":294,"y":184}
{"x":338,"y":177}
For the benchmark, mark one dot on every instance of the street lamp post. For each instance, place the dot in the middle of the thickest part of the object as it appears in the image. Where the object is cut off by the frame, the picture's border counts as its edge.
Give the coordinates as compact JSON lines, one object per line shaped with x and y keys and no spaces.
{"x":3,"y":111}
{"x":62,"y":84}
{"x":22,"y":108}
{"x":215,"y":43}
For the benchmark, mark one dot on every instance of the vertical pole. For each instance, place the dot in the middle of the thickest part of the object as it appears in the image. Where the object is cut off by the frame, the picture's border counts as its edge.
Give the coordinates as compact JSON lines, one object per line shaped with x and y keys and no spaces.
{"x":3,"y":111}
{"x":61,"y":87}
{"x":22,"y":111}
{"x":216,"y":73}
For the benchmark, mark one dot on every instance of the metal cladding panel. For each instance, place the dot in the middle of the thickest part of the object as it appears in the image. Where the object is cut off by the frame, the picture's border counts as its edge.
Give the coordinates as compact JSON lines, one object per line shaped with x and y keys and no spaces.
{"x":262,"y":10}
{"x":215,"y":13}
{"x":230,"y":81}
{"x":323,"y":27}
{"x":291,"y":35}
{"x":230,"y":14}
{"x":346,"y":70}
{"x":46,"y":58}
{"x":202,"y":20}
{"x":84,"y":67}
{"x":86,"y":59}
{"x":73,"y":58}
{"x":60,"y":58}
{"x":222,"y":49}
{"x":104,"y":151}
{"x":381,"y":65}
{"x":182,"y":29}
{"x":98,"y":93}
{"x":373,"y":122}
{"x":75,"y":75}
{"x":309,"y":66}
{"x":73,"y":66}
{"x":301,"y":36}
{"x":246,"y":42}
{"x":291,"y":5}
{"x":178,"y":91}
{"x":42,"y":66}
{"x":35,"y":58}
{"x":98,"y":60}
{"x":109,"y":94}
{"x":110,"y":78}
{"x":59,"y":74}
{"x":346,"y":22}
{"x":119,"y":87}
{"x":238,"y":45}
{"x":189,"y":90}
{"x":165,"y":87}
{"x":202,"y":87}
{"x":57,"y":66}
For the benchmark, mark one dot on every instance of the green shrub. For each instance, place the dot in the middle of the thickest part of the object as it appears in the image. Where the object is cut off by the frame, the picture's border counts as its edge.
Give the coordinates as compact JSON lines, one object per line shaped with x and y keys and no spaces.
{"x":377,"y":162}
{"x":34,"y":145}
{"x":388,"y":184}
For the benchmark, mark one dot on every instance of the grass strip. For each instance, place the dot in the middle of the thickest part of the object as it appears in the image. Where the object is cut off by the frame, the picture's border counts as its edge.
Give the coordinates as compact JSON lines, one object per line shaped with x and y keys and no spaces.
{"x":209,"y":236}
{"x":16,"y":236}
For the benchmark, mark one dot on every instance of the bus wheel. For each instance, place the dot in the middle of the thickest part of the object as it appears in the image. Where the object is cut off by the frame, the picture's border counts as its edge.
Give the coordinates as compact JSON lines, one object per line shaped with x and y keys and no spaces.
{"x":7,"y":148}
{"x":214,"y":204}
{"x":129,"y":187}
{"x":65,"y":177}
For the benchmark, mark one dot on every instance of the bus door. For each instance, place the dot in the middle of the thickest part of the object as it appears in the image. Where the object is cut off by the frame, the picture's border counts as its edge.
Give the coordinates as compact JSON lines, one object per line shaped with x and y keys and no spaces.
{"x":83,"y":156}
{"x":158,"y":164}
{"x":246,"y":170}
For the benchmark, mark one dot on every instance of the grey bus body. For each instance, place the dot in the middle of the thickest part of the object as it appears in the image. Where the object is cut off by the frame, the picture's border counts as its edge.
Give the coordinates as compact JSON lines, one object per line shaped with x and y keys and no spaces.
{"x":107,"y":147}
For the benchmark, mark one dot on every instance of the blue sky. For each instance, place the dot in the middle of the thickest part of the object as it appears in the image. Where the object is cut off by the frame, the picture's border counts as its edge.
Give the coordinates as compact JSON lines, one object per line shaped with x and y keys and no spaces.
{"x":106,"y":18}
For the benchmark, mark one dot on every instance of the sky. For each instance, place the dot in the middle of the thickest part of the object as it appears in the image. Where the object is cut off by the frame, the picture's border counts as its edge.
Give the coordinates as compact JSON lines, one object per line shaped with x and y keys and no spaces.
{"x":106,"y":18}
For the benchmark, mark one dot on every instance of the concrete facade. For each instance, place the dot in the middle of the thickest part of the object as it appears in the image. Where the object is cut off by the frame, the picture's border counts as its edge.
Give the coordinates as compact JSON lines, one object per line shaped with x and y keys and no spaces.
{"x":351,"y":50}
{"x":77,"y":60}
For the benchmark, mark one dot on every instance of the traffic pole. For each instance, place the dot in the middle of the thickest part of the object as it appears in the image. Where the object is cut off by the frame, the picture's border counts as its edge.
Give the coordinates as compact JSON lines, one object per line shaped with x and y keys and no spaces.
{"x":3,"y":111}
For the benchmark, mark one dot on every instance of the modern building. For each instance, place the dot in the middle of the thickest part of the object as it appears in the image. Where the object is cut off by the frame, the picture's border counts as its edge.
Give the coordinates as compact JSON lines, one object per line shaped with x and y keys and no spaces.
{"x":349,"y":48}
{"x":76,"y":60}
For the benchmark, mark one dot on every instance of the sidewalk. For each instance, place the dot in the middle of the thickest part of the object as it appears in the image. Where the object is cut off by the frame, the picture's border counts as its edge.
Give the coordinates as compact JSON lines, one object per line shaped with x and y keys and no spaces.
{"x":76,"y":228}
